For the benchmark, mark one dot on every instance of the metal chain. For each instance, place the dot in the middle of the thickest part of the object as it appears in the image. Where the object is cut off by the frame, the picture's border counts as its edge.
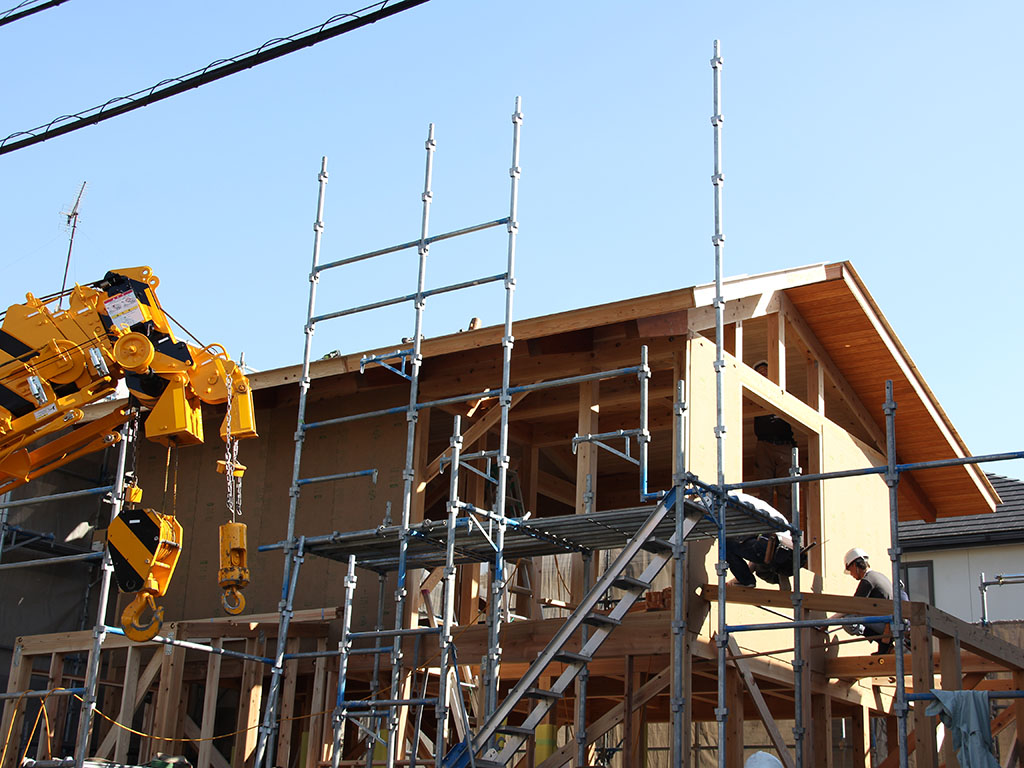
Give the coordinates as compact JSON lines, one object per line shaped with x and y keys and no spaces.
{"x":234,"y":489}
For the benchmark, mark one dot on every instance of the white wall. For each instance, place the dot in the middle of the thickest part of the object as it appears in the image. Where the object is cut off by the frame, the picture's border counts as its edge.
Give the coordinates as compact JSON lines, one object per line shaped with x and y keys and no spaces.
{"x":957,"y":575}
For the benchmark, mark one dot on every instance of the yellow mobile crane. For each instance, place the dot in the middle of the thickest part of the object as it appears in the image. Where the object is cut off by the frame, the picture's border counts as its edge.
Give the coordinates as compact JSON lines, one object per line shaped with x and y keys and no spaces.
{"x":53,"y":362}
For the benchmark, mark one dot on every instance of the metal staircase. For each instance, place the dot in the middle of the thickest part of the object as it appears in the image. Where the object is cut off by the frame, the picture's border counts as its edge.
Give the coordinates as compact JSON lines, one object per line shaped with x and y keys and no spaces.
{"x":463,"y":755}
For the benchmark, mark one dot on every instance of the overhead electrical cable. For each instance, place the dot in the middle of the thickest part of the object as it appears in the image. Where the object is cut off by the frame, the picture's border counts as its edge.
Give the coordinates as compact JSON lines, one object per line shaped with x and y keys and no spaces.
{"x":272,"y":49}
{"x":27,"y":8}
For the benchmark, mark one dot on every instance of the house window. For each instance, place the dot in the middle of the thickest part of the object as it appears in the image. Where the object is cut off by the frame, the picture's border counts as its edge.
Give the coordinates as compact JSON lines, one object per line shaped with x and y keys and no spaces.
{"x":919,"y":581}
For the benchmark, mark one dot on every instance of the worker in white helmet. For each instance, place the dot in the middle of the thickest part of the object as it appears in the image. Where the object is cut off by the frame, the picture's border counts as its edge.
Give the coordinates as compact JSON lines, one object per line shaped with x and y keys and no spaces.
{"x":870,"y":583}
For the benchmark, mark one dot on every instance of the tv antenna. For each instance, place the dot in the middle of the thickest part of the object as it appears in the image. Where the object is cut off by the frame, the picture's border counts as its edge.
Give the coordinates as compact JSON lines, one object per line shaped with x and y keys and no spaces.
{"x":72,"y":224}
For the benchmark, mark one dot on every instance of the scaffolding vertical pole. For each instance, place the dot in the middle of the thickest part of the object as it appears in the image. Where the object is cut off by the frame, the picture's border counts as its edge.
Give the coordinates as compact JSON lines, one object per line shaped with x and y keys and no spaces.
{"x":375,"y":678}
{"x":344,"y":649}
{"x":584,"y":675}
{"x":678,"y":598}
{"x":266,"y":743}
{"x":92,"y":670}
{"x":644,"y":438}
{"x":449,"y":598}
{"x":718,"y":240}
{"x":496,"y":612}
{"x":395,"y":739}
{"x":892,"y":479}
{"x":798,"y":615}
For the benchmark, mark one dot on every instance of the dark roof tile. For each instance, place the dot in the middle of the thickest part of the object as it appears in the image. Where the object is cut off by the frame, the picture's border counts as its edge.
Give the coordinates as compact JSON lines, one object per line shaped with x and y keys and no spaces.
{"x":1004,"y":525}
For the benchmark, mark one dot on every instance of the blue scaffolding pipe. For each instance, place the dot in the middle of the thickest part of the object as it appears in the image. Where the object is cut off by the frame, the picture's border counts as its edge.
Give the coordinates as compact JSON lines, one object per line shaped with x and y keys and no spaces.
{"x":810,"y":623}
{"x":484,"y":395}
{"x":991,"y":694}
{"x":42,"y":694}
{"x":410,"y":244}
{"x":913,"y":467}
{"x":56,"y":497}
{"x":343,"y":476}
{"x":198,"y":647}
{"x":418,"y":297}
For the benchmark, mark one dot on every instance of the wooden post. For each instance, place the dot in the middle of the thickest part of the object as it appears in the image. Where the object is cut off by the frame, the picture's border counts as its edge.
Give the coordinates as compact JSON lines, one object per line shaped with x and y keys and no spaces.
{"x":734,"y":725}
{"x":287,"y":712}
{"x":50,"y":723}
{"x":168,"y":702}
{"x":250,"y":699}
{"x":924,"y":680}
{"x":209,"y":718}
{"x":586,"y":464}
{"x":128,"y":696}
{"x":1018,"y":709}
{"x":629,"y":738}
{"x":819,"y":718}
{"x":14,"y":709}
{"x":860,"y":737}
{"x":314,"y":743}
{"x":952,"y":679}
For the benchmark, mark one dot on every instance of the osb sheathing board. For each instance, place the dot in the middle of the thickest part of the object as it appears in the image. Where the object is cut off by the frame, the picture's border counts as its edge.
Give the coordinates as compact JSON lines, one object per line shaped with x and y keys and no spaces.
{"x":344,"y":505}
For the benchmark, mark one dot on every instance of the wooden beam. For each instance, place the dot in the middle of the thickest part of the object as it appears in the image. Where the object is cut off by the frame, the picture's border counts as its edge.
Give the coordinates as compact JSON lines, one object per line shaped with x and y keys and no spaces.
{"x":214,"y":759}
{"x":1018,"y":713}
{"x":586,"y":467}
{"x":249,"y":702}
{"x":611,"y":718}
{"x":20,"y":680}
{"x":317,"y":706}
{"x":556,"y":488}
{"x":974,"y":638}
{"x":860,"y":737}
{"x":762,"y":708}
{"x":857,"y":606}
{"x":469,"y":438}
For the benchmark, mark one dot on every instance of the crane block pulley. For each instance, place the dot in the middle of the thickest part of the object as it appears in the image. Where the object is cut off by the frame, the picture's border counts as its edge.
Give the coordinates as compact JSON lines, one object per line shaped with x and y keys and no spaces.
{"x":144,"y":546}
{"x":233,"y":574}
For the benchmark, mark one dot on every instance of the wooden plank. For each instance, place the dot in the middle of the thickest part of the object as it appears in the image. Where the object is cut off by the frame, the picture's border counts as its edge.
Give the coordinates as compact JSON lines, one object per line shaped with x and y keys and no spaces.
{"x":214,"y":759}
{"x":129,"y":693}
{"x":588,"y":422}
{"x":952,"y":679}
{"x":209,"y":717}
{"x":610,"y":719}
{"x":922,"y":666}
{"x":316,"y":708}
{"x":762,"y":707}
{"x":287,"y":711}
{"x":141,"y":689}
{"x":50,"y":723}
{"x":857,"y":606}
{"x":630,"y":736}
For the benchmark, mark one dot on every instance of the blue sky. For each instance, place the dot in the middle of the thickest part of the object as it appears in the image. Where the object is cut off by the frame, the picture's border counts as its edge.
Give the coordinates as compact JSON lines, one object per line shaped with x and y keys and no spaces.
{"x":883,"y":133}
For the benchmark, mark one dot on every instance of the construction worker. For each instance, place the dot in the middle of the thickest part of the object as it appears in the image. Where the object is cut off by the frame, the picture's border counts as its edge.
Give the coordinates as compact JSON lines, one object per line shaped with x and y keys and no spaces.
{"x":768,"y":555}
{"x":870,"y":583}
{"x":773,"y":454}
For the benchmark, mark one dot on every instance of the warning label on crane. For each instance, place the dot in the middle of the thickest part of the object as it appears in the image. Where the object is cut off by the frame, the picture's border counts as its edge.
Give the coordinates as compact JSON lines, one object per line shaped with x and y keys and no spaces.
{"x":124,"y":309}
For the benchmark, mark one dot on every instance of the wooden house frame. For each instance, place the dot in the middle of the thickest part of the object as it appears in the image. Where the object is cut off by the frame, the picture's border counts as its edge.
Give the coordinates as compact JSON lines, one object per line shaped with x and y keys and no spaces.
{"x":829,"y":351}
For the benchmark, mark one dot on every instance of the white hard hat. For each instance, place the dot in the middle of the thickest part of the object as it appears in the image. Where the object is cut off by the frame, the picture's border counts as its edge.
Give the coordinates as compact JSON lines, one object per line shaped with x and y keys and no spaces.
{"x":762,"y":760}
{"x":854,"y":554}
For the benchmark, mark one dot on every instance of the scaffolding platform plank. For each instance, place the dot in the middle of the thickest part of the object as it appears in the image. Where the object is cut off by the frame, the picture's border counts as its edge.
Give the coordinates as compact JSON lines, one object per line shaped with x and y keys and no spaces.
{"x":377,"y":549}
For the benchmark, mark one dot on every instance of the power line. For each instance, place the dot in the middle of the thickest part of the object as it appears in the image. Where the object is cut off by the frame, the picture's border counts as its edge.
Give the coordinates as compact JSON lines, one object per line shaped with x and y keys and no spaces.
{"x":272,"y":49}
{"x":27,"y":8}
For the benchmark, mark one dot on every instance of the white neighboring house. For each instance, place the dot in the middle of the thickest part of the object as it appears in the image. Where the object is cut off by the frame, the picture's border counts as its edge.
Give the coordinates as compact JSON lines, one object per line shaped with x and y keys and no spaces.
{"x":943,"y":561}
